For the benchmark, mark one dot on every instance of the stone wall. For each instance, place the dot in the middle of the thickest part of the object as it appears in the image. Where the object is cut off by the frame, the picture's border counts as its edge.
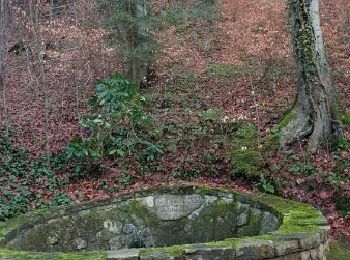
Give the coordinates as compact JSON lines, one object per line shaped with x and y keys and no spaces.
{"x":321,"y":252}
{"x":302,"y":248}
{"x":149,"y":221}
{"x":200,"y":223}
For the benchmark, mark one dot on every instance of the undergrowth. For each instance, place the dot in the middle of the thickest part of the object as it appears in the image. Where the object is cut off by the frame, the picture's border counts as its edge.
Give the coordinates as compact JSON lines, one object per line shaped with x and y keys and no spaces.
{"x":246,"y":157}
{"x":119,"y":126}
{"x":26,"y":183}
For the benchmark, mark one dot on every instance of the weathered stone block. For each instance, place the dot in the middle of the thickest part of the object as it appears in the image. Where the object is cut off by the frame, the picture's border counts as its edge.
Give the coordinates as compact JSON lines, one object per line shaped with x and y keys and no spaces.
{"x":269,"y":223}
{"x":210,"y":254}
{"x":129,"y":254}
{"x":175,"y":207}
{"x":254,"y":250}
{"x":286,"y":247}
{"x":310,"y":241}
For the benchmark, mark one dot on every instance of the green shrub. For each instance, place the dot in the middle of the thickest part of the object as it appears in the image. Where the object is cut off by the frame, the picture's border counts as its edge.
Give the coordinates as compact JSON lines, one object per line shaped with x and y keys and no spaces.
{"x":246,"y":157}
{"x":187,"y":173}
{"x":119,"y":126}
{"x":343,"y":205}
{"x":211,"y":115}
{"x":246,"y":135}
{"x":247,"y":162}
{"x":264,"y":185}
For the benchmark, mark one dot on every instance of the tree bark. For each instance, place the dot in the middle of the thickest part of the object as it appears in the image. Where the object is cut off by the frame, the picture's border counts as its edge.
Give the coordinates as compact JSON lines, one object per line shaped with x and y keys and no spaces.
{"x":138,"y":36}
{"x":4,"y":16}
{"x":316,"y":109}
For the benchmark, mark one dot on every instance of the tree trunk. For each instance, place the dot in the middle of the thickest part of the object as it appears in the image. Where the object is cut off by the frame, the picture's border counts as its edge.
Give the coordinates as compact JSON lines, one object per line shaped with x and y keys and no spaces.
{"x":4,"y":16}
{"x":316,"y":109}
{"x":138,"y":36}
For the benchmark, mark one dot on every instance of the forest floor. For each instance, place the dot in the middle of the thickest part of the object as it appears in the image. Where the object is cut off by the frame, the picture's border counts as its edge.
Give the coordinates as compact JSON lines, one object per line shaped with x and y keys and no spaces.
{"x":339,"y":250}
{"x":213,"y":73}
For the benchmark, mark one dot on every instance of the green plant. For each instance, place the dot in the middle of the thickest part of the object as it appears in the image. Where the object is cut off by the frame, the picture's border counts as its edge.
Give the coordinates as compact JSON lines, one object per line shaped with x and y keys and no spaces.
{"x":246,"y":156}
{"x":335,"y":179}
{"x":343,"y":205}
{"x":225,"y":70}
{"x":346,"y":119}
{"x":18,"y":48}
{"x":210,"y":157}
{"x":342,"y":166}
{"x":24,"y":182}
{"x":247,"y":162}
{"x":61,"y":198}
{"x":187,"y":173}
{"x":246,"y":135}
{"x":211,"y":115}
{"x":119,"y":126}
{"x":341,"y":144}
{"x":302,"y":169}
{"x":266,"y":185}
{"x":152,"y":151}
{"x":126,"y":180}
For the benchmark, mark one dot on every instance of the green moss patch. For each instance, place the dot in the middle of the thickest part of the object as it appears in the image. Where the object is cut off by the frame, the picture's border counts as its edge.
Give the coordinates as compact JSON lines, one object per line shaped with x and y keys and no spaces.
{"x":246,"y":157}
{"x":285,"y":120}
{"x":271,"y":142}
{"x":297,"y":217}
{"x":16,"y":255}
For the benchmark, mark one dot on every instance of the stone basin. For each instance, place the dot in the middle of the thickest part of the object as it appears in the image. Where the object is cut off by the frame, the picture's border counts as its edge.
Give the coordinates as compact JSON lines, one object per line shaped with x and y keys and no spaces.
{"x":182,"y":222}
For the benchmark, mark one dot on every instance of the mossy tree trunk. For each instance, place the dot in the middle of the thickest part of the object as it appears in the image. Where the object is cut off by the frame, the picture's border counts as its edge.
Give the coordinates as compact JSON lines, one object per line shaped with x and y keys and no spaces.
{"x":316,"y":108}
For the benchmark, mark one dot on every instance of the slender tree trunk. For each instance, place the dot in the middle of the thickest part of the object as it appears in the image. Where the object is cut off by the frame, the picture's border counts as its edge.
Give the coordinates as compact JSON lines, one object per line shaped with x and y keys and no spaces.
{"x":4,"y":16}
{"x":315,"y":112}
{"x":142,"y":11}
{"x":138,"y":35}
{"x":38,"y":48}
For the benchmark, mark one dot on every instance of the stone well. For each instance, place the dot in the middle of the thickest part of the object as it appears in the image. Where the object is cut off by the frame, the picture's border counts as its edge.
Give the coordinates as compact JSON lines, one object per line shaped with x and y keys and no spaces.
{"x":183,"y":222}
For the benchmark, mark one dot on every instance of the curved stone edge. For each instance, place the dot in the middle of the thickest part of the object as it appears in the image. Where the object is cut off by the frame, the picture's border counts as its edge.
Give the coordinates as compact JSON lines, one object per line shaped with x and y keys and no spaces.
{"x":302,"y":235}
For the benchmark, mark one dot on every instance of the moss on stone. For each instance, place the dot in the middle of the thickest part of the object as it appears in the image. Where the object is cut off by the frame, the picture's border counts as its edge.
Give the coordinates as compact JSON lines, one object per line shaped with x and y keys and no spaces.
{"x":205,"y":189}
{"x":297,"y":218}
{"x":16,"y":255}
{"x":177,"y":250}
{"x":252,"y":229}
{"x":220,"y":208}
{"x":285,"y":120}
{"x":135,"y":207}
{"x":227,"y":243}
{"x":26,"y":219}
{"x":271,"y":143}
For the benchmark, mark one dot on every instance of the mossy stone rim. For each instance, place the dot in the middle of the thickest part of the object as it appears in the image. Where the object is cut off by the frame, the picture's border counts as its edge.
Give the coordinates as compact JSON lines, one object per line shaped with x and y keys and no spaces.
{"x":303,"y":228}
